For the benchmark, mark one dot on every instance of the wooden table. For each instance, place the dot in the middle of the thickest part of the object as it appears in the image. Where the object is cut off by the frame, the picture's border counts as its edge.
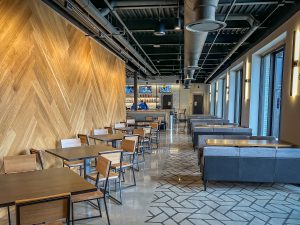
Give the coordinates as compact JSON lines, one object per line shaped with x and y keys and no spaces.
{"x":247,"y":143}
{"x":41,"y":183}
{"x":108,"y":138}
{"x":82,"y":153}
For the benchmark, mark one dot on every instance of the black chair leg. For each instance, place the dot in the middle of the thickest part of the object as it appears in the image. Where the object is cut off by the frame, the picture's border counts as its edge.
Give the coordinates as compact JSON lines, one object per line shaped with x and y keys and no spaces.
{"x":133,"y":174}
{"x":72,"y":213}
{"x":99,"y":206}
{"x":108,"y":221}
{"x":8,"y":215}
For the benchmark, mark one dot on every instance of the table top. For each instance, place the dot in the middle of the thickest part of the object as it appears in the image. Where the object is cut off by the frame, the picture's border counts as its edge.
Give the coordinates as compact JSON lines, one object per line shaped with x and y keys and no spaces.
{"x":82,"y":152}
{"x":246,"y":143}
{"x":108,"y":137}
{"x":41,"y":183}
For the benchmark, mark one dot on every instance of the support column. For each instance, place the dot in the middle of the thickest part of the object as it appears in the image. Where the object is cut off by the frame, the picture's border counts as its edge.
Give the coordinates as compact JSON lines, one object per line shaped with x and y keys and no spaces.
{"x":135,"y":101}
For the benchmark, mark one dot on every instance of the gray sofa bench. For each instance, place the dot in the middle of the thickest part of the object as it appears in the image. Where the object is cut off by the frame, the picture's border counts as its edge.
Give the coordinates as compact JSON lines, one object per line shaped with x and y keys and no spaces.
{"x":253,"y":164}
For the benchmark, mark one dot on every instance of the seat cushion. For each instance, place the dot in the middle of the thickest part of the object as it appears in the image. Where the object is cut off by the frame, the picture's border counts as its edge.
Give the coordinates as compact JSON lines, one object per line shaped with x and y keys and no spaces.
{"x":87,"y":196}
{"x":74,"y":163}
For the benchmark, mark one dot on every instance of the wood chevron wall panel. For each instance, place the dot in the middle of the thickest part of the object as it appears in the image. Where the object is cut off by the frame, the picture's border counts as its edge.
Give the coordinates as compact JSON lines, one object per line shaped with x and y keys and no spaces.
{"x":54,"y":81}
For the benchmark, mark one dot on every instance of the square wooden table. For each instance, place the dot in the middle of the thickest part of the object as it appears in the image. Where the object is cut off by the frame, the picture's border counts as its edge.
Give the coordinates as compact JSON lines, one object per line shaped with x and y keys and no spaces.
{"x":125,"y":129}
{"x":41,"y":183}
{"x":247,"y":143}
{"x":108,"y":138}
{"x":82,"y":153}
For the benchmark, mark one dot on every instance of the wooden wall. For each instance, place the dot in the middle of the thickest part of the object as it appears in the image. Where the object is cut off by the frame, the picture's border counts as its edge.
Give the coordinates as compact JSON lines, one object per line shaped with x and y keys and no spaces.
{"x":54,"y":81}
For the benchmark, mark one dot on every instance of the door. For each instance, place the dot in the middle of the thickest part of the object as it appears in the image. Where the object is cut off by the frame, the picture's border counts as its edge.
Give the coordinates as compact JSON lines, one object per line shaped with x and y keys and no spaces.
{"x":198,"y":104}
{"x":167,"y":101}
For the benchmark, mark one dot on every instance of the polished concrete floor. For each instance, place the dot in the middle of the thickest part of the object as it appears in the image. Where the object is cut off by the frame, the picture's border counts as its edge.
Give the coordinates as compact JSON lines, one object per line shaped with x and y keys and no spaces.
{"x":169,"y":191}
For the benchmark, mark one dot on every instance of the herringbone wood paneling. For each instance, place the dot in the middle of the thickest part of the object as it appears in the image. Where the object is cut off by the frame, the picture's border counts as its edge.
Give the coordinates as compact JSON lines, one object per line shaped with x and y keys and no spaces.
{"x":54,"y":81}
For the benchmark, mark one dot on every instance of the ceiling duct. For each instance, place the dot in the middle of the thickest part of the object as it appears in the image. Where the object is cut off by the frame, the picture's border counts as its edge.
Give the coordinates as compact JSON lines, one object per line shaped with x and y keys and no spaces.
{"x":199,"y":19}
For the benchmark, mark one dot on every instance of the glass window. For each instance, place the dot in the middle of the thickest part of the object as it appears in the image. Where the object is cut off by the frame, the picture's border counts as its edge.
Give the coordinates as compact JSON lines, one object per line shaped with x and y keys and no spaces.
{"x":270,"y":93}
{"x":224,"y":98}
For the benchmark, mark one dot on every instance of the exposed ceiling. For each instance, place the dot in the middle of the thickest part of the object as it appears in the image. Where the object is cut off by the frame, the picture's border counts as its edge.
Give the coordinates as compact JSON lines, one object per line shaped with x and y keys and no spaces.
{"x":141,"y":18}
{"x":165,"y":53}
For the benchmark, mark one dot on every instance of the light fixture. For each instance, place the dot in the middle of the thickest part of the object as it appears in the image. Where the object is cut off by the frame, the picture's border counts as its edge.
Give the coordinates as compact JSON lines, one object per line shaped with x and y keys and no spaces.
{"x":295,"y":64}
{"x":156,"y":46}
{"x":178,"y":24}
{"x":160,"y":29}
{"x":247,"y":80}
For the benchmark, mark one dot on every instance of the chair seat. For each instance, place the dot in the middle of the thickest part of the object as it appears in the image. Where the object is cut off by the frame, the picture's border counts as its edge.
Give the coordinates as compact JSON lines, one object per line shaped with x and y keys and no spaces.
{"x":93,"y":176}
{"x":74,"y":163}
{"x":124,"y":165}
{"x":87,"y":196}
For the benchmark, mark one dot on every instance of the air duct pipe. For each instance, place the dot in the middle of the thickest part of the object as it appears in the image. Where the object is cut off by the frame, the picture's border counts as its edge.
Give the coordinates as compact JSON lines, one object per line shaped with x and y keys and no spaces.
{"x":199,"y":19}
{"x":88,"y":6}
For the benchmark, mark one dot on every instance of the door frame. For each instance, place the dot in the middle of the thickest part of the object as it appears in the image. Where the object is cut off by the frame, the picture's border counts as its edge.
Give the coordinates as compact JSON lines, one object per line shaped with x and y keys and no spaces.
{"x":162,"y":96}
{"x":197,"y":93}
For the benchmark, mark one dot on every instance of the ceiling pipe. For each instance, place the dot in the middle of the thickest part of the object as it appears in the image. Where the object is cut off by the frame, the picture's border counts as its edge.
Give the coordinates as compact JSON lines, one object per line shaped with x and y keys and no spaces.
{"x":129,"y":33}
{"x":88,"y":6}
{"x":105,"y":11}
{"x":241,"y":41}
{"x":199,"y":19}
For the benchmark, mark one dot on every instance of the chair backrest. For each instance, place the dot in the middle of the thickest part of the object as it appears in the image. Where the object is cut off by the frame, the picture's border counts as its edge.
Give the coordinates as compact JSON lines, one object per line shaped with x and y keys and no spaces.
{"x":139,"y":132}
{"x":130,"y":121}
{"x":120,"y":125}
{"x":128,"y":145}
{"x":114,"y":157}
{"x":39,"y":157}
{"x":154,"y":126}
{"x":149,"y":118}
{"x":43,"y":210}
{"x":69,"y":143}
{"x":19,"y":163}
{"x":110,"y":130}
{"x":147,"y":130}
{"x":133,"y":138}
{"x":84,"y":139}
{"x":100,"y":131}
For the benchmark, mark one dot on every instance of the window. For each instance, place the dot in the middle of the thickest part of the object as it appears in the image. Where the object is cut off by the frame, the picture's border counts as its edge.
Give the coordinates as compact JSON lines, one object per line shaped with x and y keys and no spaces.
{"x":224,"y":98}
{"x":270,"y":93}
{"x":212,"y":99}
{"x":238,"y":96}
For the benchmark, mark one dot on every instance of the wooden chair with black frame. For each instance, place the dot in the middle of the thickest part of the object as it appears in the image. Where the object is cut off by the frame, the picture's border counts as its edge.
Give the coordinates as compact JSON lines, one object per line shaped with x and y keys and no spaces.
{"x":128,"y":146}
{"x":102,"y":175}
{"x":49,"y":210}
{"x":18,"y":164}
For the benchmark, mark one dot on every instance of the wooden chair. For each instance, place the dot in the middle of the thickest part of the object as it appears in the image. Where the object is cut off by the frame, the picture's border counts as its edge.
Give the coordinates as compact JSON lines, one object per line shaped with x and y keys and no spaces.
{"x":20,"y":163}
{"x":135,"y":138}
{"x":43,"y":210}
{"x":155,"y":132}
{"x":110,"y":130}
{"x":84,"y":139}
{"x":141,"y":144}
{"x":120,"y":125}
{"x":103,"y":174}
{"x":128,"y":147}
{"x":148,"y":137}
{"x":114,"y":158}
{"x":99,"y":132}
{"x":39,"y":157}
{"x":70,"y":143}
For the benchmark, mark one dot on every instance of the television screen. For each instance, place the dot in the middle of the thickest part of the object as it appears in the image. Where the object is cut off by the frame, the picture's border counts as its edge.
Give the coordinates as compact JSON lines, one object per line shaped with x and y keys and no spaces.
{"x":145,"y":89}
{"x":129,"y":89}
{"x":165,"y":89}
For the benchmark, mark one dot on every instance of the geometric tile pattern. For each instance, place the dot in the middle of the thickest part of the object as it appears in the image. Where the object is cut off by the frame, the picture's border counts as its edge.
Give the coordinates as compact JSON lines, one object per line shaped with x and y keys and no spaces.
{"x":180,"y":199}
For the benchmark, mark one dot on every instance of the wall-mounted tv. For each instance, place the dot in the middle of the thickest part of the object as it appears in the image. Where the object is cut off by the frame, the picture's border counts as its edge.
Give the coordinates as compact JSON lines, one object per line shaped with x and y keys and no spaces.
{"x":129,"y":90}
{"x":145,"y":89}
{"x":165,"y":89}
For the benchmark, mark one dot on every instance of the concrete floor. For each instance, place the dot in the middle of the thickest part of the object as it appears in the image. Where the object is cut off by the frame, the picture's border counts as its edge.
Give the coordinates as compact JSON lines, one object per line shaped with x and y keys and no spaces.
{"x":169,"y":191}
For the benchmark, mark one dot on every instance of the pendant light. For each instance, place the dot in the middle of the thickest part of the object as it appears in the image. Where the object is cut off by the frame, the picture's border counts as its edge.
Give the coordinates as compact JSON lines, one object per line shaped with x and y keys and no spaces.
{"x":178,"y":20}
{"x":160,"y":27}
